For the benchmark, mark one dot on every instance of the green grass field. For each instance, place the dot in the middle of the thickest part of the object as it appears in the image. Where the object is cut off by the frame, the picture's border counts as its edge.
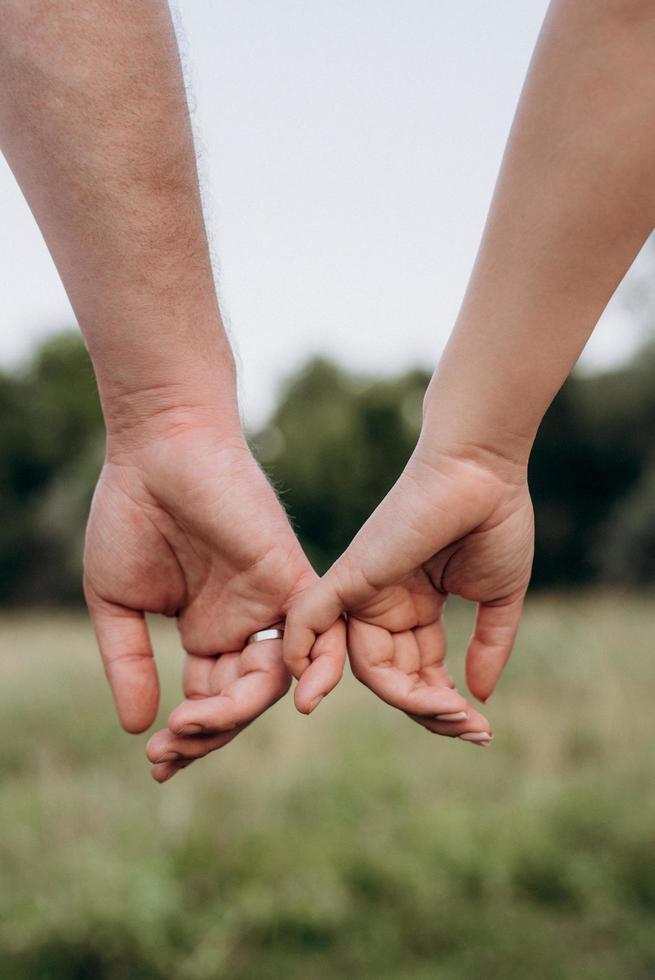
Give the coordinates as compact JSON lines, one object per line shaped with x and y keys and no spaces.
{"x":350,"y":844}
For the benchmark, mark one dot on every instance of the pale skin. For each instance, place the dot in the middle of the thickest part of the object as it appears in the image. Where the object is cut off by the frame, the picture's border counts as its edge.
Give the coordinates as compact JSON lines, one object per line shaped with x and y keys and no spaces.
{"x":574,"y":203}
{"x":95,"y":126}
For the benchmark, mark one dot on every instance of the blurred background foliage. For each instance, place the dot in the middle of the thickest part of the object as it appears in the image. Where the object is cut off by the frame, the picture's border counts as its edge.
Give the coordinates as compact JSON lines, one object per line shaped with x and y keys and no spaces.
{"x":333,"y":447}
{"x":354,"y":845}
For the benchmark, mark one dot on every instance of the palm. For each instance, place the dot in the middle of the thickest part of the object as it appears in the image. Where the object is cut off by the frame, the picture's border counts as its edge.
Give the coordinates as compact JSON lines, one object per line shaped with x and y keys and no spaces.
{"x":452,"y":528}
{"x":203,"y":538}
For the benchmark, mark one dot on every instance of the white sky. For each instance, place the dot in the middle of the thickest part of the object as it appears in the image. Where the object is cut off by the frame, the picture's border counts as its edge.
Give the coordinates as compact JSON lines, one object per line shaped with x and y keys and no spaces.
{"x":348,"y":154}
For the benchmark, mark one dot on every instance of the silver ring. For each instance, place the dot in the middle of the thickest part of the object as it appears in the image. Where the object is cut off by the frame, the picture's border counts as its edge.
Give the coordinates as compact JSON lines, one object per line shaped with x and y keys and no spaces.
{"x":270,"y":634}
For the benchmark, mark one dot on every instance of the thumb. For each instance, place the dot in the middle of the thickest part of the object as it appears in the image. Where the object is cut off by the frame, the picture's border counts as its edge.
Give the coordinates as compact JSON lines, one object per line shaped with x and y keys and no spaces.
{"x":496,"y":626}
{"x":124,"y":643}
{"x":326,"y":662}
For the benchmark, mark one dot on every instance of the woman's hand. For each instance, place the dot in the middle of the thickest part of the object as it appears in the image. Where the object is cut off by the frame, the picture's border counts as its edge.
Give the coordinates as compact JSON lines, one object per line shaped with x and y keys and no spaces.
{"x":573,"y":206}
{"x":188,"y":526}
{"x":455,"y":522}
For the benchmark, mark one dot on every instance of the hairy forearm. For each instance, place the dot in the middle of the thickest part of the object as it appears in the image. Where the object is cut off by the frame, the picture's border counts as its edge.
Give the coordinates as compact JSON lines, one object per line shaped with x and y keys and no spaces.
{"x":94,"y":123}
{"x":575,"y":201}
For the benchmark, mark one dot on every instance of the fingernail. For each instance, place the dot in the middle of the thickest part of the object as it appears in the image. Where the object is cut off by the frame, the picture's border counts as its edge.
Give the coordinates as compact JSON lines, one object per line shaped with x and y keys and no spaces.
{"x":190,"y":730}
{"x":453,"y":716}
{"x":181,"y":765}
{"x":478,"y":738}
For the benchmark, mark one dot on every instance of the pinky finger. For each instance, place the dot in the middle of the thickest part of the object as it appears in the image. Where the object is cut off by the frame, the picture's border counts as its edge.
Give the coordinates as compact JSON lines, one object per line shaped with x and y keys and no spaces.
{"x":312,"y":614}
{"x":328,"y":656}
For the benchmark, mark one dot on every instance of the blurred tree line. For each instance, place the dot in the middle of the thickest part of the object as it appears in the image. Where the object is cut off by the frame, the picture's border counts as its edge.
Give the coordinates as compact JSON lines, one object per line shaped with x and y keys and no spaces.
{"x":333,"y":447}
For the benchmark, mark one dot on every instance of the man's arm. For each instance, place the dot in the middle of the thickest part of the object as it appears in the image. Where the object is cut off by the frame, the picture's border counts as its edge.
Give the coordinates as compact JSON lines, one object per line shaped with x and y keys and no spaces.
{"x":94,"y":123}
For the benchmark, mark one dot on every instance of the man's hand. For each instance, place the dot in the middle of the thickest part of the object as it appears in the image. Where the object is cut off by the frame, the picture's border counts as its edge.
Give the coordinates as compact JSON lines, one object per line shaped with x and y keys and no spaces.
{"x":95,"y":125}
{"x":459,"y":524}
{"x":188,"y":526}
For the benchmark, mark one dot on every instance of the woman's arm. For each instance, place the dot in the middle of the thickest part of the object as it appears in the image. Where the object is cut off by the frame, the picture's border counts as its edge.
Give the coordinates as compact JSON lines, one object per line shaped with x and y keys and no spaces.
{"x":575,"y":201}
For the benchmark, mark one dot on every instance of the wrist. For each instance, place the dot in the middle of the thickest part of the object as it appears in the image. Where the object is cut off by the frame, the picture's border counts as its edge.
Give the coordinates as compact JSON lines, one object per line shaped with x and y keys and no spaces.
{"x":467,"y":433}
{"x":166,"y":372}
{"x":136,"y":417}
{"x":129,"y":434}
